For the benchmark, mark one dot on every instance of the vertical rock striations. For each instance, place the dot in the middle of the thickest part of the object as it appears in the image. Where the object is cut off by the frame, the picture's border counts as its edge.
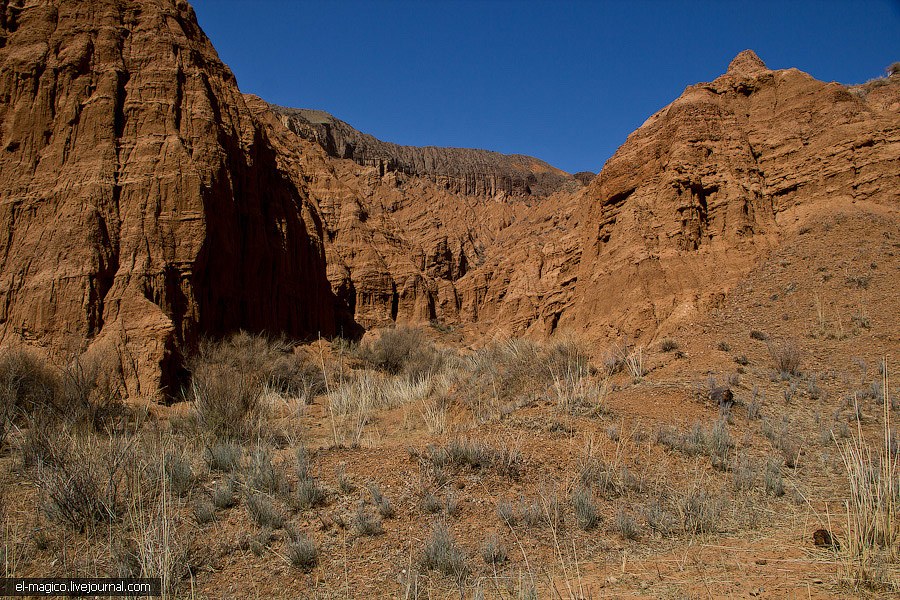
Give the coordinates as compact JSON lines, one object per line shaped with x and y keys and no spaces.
{"x":141,"y":202}
{"x":459,"y":170}
{"x":146,"y":202}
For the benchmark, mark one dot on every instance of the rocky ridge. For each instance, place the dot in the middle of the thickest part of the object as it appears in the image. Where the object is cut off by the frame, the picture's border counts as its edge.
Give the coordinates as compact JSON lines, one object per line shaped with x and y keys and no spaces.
{"x":459,"y":170}
{"x":699,"y":194}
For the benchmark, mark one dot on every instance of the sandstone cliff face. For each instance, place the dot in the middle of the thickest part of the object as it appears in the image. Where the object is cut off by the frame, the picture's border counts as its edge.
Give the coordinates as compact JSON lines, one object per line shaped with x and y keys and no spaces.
{"x":402,"y":248}
{"x":685,"y":208}
{"x":141,"y":202}
{"x":146,"y":202}
{"x":695,"y":196}
{"x":459,"y":170}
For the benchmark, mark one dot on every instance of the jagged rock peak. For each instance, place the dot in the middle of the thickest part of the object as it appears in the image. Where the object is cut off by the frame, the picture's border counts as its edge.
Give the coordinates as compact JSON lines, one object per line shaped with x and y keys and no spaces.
{"x":746,"y":63}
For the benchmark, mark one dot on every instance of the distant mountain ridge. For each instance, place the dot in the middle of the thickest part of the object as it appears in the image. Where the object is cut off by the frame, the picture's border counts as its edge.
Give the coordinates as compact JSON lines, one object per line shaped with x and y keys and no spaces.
{"x":460,"y":170}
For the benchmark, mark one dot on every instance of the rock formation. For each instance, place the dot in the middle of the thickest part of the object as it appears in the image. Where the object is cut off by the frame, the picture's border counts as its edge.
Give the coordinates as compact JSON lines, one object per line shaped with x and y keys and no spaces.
{"x":147,"y":202}
{"x":460,"y":170}
{"x":402,"y":248}
{"x":696,"y":195}
{"x":141,"y":202}
{"x":689,"y":204}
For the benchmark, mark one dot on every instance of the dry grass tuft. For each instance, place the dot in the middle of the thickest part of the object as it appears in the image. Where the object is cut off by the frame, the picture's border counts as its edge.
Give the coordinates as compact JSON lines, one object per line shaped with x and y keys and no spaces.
{"x":871,"y":551}
{"x":442,"y":554}
{"x":787,"y":358}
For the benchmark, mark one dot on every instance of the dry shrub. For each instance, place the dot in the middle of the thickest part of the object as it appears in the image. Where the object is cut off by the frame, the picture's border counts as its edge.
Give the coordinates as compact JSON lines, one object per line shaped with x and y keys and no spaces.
{"x":157,"y":536}
{"x":224,"y":456}
{"x":442,"y":554}
{"x":505,"y":375}
{"x":367,"y":523}
{"x":262,"y":475}
{"x":309,"y":494}
{"x":264,"y":512}
{"x":230,"y":376}
{"x":774,"y":482}
{"x":585,"y":509}
{"x":227,"y":380}
{"x":714,"y":441}
{"x":301,"y":551}
{"x":610,"y":480}
{"x":179,"y":474}
{"x":668,"y":345}
{"x":82,"y":478}
{"x":787,"y":358}
{"x":626,"y":525}
{"x":660,"y":517}
{"x":575,"y":391}
{"x":351,"y":405}
{"x":27,"y":386}
{"x":293,"y":375}
{"x":382,"y":502}
{"x":91,"y":394}
{"x":493,"y":551}
{"x":403,"y":350}
{"x":700,"y":510}
{"x":352,"y":402}
{"x":626,"y":356}
{"x":85,"y":393}
{"x":476,"y":455}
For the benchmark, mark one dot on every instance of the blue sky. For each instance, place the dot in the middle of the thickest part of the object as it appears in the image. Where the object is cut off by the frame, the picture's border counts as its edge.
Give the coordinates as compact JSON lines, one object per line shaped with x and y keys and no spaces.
{"x":564,"y":81}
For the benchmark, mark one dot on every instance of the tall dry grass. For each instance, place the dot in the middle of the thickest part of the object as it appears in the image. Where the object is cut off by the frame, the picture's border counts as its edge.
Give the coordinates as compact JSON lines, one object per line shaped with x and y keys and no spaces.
{"x":872,"y":547}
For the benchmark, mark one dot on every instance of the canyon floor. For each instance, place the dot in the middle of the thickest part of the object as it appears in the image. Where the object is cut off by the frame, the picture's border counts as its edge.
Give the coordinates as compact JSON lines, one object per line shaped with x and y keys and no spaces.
{"x":416,"y":465}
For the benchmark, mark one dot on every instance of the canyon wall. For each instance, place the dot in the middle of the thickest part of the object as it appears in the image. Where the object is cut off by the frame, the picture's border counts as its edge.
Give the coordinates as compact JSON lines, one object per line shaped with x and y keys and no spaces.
{"x":140,"y":200}
{"x":147,"y":203}
{"x":458,"y":170}
{"x":698,"y":194}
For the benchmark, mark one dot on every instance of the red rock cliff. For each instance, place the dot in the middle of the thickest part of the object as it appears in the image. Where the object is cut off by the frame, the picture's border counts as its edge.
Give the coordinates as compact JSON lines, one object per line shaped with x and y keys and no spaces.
{"x":695,"y":196}
{"x":141,"y":202}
